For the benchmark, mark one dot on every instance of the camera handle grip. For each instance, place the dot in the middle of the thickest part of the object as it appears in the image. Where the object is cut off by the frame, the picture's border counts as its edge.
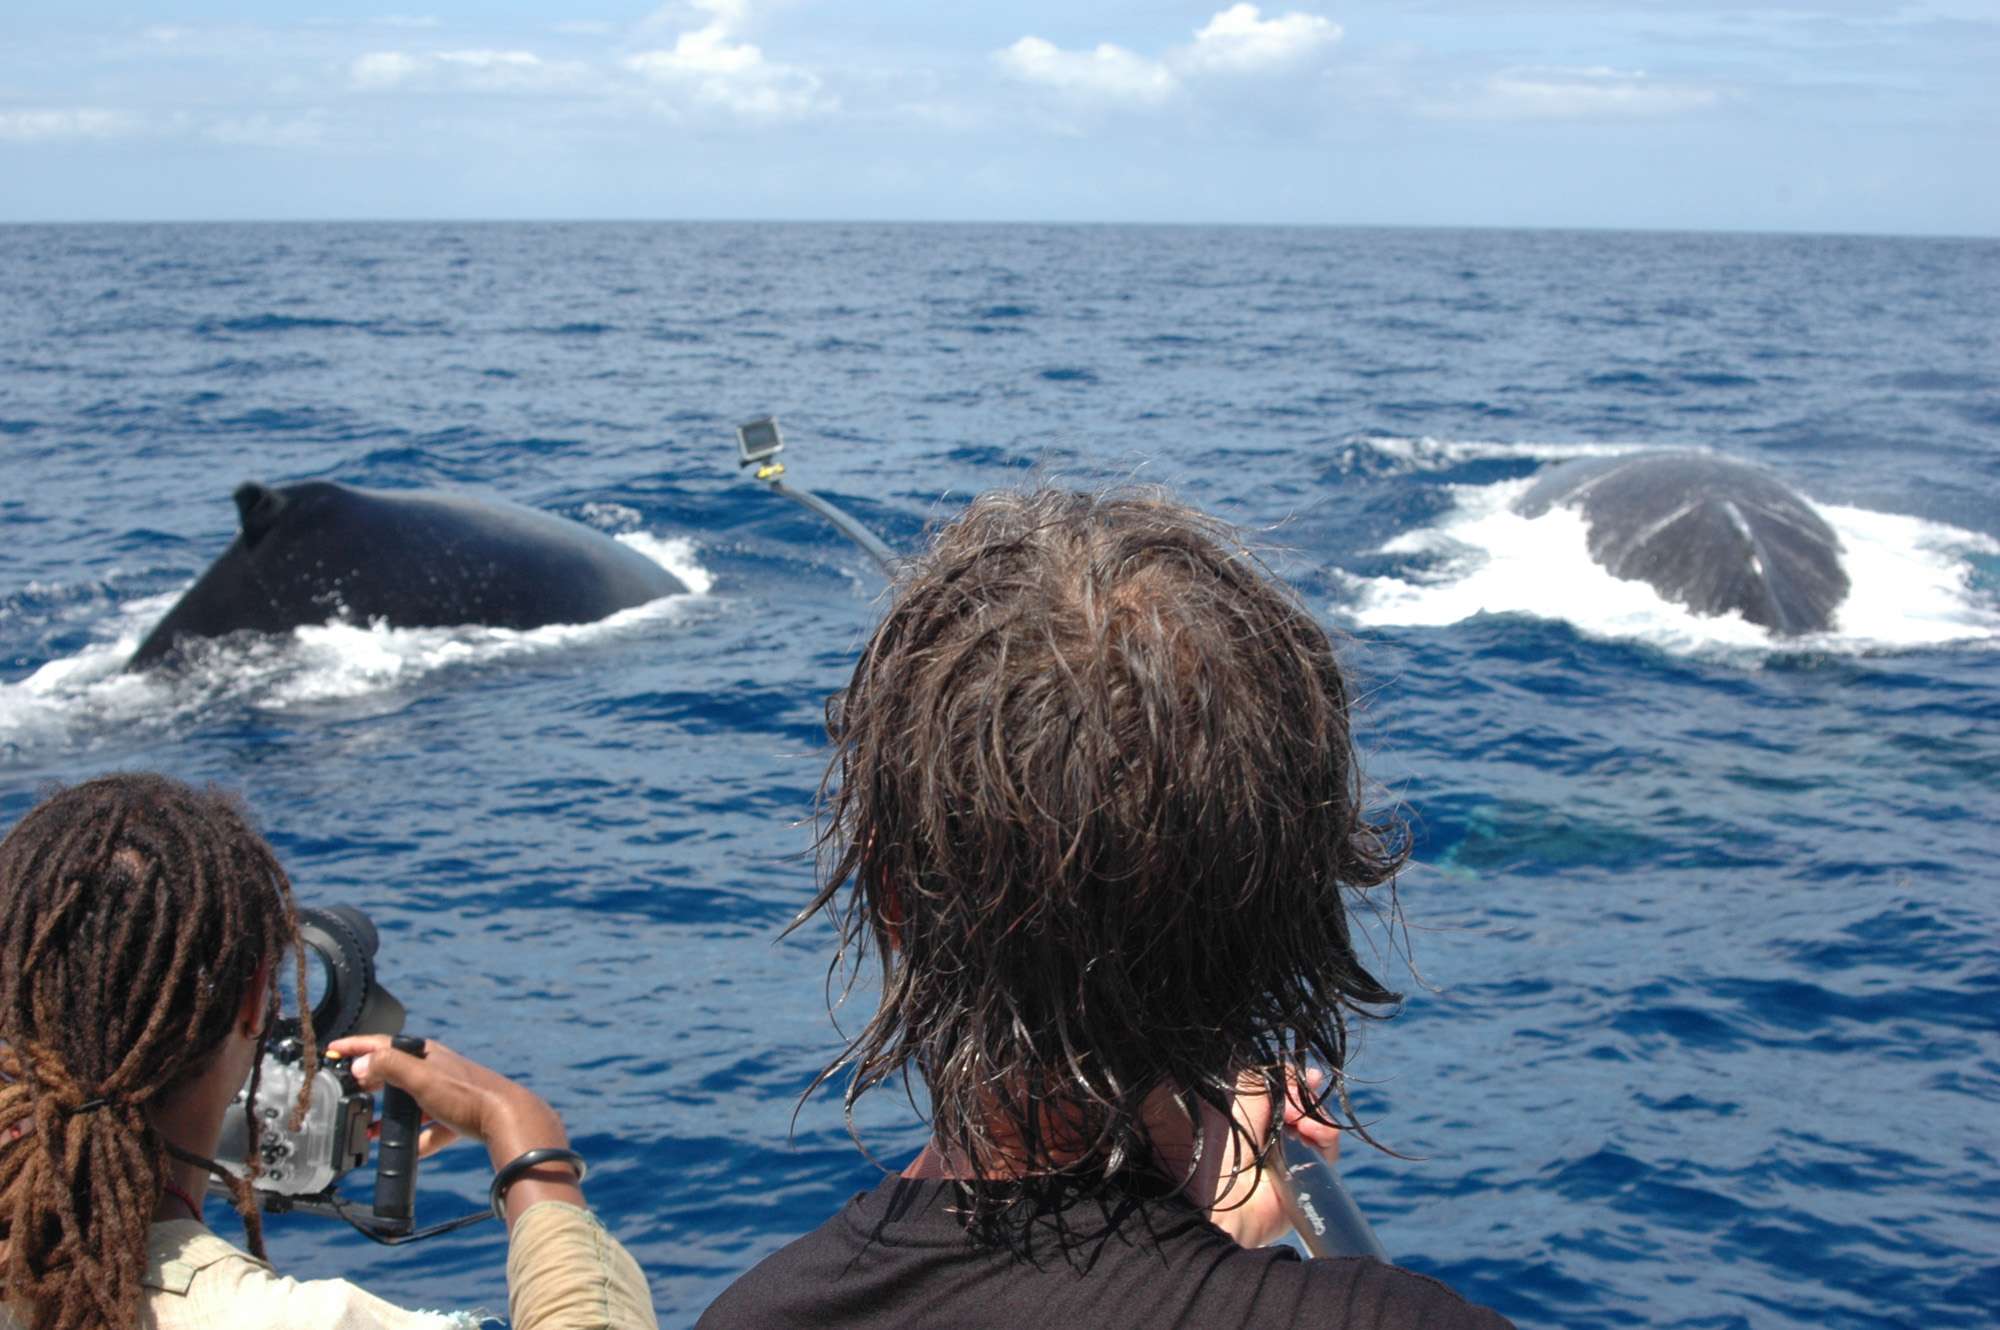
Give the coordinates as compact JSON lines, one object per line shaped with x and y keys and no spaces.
{"x":396,"y":1154}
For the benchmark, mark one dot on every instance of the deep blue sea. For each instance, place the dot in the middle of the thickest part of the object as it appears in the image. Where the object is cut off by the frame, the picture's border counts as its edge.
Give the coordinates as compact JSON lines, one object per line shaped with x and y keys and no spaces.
{"x":1704,"y":1028}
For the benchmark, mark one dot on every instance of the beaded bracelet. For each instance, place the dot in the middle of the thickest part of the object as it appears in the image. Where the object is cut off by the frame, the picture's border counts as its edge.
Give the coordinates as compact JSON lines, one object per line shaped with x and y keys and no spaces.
{"x":511,"y":1172}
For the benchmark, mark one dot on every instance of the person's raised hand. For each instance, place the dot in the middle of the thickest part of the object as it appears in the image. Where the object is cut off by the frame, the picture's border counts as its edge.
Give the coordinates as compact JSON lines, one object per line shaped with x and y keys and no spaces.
{"x":1321,"y":1136}
{"x":468,"y":1099}
{"x":1247,"y":1205}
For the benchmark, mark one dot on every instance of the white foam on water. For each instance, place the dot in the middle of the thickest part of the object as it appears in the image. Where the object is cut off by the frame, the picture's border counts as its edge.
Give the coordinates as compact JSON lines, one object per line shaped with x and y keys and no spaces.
{"x":1911,"y":582}
{"x":676,"y":554}
{"x":85,"y":692}
{"x":87,"y":696}
{"x":1425,"y":453}
{"x":611,"y":516}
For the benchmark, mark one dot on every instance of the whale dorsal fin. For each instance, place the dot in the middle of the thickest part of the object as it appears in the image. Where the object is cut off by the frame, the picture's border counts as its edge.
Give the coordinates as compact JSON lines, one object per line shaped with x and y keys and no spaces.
{"x":257,"y":506}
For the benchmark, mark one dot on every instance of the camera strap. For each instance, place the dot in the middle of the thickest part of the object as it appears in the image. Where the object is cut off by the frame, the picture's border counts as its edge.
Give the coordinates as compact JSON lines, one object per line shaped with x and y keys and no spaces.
{"x":203,"y":1162}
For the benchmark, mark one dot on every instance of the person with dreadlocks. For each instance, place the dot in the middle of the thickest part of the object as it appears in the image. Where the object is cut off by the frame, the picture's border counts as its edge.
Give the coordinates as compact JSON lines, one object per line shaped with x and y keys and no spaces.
{"x":1094,"y":805}
{"x":144,"y":928}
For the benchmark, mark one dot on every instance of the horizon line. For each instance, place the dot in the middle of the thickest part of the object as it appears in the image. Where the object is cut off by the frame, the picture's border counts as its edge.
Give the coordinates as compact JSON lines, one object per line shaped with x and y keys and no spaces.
{"x":1078,"y":223}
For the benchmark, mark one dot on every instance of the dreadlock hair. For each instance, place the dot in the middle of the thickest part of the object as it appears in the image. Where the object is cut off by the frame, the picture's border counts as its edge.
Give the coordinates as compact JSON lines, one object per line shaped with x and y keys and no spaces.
{"x":1095,"y":802}
{"x":134,"y":914}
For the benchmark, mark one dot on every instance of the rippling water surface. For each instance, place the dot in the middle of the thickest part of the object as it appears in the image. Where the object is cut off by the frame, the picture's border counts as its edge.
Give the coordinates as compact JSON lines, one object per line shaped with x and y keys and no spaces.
{"x":1708,"y":1025}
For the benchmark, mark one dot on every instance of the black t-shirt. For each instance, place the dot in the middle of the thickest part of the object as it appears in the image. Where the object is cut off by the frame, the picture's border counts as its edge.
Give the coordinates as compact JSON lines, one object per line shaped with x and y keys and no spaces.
{"x":899,"y":1257}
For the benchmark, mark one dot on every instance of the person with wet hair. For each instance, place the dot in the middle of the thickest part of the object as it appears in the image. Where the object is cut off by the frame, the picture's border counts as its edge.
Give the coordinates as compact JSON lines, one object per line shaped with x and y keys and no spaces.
{"x":1095,"y":809}
{"x":144,"y":930}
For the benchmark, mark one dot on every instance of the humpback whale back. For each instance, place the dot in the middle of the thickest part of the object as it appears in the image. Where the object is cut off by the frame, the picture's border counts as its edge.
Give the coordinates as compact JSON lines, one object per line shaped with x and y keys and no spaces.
{"x":1710,"y":533}
{"x":319,"y":551}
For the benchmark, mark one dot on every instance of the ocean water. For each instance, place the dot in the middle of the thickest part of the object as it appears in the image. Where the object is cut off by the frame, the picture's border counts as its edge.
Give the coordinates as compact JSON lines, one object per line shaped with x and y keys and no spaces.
{"x":1704,"y":1024}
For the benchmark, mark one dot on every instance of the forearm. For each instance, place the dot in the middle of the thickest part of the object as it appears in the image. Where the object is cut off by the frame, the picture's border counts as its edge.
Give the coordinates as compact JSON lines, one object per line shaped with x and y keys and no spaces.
{"x":528,"y":1123}
{"x":564,"y":1272}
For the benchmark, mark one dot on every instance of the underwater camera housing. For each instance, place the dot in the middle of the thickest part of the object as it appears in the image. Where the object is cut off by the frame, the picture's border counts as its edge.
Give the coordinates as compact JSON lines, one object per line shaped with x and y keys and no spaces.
{"x":333,"y":1139}
{"x":301,"y":1170}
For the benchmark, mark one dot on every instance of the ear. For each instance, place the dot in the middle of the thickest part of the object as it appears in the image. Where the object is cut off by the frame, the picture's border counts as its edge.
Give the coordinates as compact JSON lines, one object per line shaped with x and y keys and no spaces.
{"x":255,"y":1008}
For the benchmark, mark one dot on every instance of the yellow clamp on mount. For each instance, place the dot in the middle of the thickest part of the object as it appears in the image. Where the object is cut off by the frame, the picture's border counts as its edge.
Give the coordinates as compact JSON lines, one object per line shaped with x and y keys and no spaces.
{"x":770,"y":470}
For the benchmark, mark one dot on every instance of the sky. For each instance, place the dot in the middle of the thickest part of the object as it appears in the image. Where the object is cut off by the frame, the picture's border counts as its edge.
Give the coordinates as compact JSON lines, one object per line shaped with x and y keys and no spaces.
{"x":1787,"y":115}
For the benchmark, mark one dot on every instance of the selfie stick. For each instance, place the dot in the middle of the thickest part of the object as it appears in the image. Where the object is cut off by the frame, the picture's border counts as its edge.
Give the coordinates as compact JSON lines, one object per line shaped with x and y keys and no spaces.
{"x":1328,"y":1221}
{"x":759,"y":444}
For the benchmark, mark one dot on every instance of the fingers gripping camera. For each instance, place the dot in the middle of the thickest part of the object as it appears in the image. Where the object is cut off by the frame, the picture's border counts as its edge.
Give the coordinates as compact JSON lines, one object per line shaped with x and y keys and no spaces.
{"x":333,"y":1139}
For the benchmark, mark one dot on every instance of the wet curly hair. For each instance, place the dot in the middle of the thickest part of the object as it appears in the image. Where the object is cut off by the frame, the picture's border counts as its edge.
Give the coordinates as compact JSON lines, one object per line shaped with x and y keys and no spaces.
{"x":135,"y":913}
{"x":1094,"y":805}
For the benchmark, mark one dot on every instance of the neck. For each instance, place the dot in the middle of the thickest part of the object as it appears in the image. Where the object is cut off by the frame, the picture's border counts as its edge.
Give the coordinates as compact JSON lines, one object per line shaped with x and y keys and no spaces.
{"x":190,"y":1122}
{"x":181,"y":1197}
{"x":1176,"y":1142}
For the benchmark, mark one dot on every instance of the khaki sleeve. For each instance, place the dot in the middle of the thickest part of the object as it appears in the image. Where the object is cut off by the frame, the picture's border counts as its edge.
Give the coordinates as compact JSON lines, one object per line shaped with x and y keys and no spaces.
{"x":564,"y":1272}
{"x":244,"y":1292}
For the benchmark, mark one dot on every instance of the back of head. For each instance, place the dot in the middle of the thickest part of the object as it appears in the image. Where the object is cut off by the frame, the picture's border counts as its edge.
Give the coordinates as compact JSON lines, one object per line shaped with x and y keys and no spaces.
{"x":134,"y":914}
{"x":1097,"y":806}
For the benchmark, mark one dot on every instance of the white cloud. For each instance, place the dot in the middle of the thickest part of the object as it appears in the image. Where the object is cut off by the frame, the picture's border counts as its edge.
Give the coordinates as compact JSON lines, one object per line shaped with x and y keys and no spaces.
{"x":1241,"y":40}
{"x":1592,"y":93}
{"x":1110,"y":72}
{"x":701,"y":54}
{"x":492,"y":59}
{"x":712,"y":68}
{"x":384,"y":69}
{"x":511,"y":71}
{"x":472,"y":70}
{"x":77,"y":123}
{"x":1237,"y":40}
